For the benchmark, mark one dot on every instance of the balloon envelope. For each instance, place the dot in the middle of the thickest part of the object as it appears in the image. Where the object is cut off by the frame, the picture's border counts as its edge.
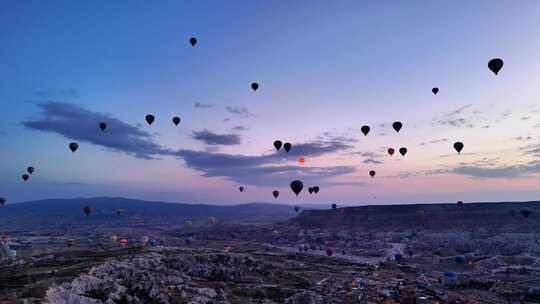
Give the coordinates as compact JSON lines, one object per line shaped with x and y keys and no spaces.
{"x":297,"y":186}
{"x":278,"y":144}
{"x":334,"y":206}
{"x":316,"y":189}
{"x":275,"y":193}
{"x":73,"y":147}
{"x":176,"y":120}
{"x":87,"y":210}
{"x":150,"y":119}
{"x":372,"y":173}
{"x":192,"y":41}
{"x":391,"y":151}
{"x":241,"y":189}
{"x":296,"y":208}
{"x":287,"y":146}
{"x":435,"y":90}
{"x":25,"y":177}
{"x":103,"y":126}
{"x":458,"y":146}
{"x":2,"y":200}
{"x":403,"y":151}
{"x":495,"y":65}
{"x":310,"y":190}
{"x":365,"y":130}
{"x":254,"y":86}
{"x":397,"y":125}
{"x":460,"y":203}
{"x":30,"y":170}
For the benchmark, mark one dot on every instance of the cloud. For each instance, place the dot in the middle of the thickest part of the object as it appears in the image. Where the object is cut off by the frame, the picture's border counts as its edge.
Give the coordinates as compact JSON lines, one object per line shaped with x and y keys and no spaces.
{"x":199,"y":105}
{"x":76,"y":123}
{"x":454,"y":118}
{"x":371,"y":161}
{"x":434,"y":141}
{"x":261,"y":170}
{"x":457,"y":111}
{"x":79,"y":124}
{"x":499,"y":172}
{"x":525,"y":118}
{"x":240,"y":128}
{"x":211,"y":138}
{"x":239,"y":110}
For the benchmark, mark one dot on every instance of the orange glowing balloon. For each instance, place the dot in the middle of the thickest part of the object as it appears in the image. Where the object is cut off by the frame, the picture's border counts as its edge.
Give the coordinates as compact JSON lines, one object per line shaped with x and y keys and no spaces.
{"x":301,"y":160}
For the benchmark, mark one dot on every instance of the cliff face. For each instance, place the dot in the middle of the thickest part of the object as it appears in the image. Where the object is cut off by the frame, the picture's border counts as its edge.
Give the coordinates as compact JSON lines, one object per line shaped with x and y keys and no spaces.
{"x":500,"y":216}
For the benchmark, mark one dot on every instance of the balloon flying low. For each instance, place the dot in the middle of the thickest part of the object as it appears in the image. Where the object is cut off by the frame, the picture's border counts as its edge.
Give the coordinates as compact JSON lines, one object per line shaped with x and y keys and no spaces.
{"x":87,"y":210}
{"x":296,"y":208}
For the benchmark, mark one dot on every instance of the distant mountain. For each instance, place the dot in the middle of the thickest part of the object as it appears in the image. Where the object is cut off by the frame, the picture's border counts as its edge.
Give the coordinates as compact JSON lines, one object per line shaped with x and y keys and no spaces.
{"x":67,"y":211}
{"x":506,"y":216}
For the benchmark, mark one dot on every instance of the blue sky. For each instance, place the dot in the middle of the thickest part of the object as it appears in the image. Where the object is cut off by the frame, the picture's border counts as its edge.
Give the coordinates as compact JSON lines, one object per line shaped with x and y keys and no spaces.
{"x":324,"y":69}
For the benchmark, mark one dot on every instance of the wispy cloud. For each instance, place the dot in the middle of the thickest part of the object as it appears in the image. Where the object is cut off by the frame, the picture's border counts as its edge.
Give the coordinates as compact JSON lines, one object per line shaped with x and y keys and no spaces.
{"x":76,"y":123}
{"x":211,"y":138}
{"x":240,"y":128}
{"x":240,"y":111}
{"x":199,"y":105}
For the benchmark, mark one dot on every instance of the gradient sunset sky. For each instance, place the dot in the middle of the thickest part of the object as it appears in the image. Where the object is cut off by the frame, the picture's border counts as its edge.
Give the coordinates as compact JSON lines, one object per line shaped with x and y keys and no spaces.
{"x":325,"y":68}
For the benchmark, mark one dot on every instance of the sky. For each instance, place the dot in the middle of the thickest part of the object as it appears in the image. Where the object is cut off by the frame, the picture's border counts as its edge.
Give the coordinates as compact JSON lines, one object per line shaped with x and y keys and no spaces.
{"x":324,"y":69}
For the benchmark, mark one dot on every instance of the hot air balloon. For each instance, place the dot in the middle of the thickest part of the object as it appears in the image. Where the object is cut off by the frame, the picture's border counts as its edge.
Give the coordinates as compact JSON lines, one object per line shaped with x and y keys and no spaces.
{"x":296,"y":186}
{"x":2,"y":201}
{"x":296,"y":208}
{"x":254,"y":86}
{"x":391,"y":151}
{"x":119,"y":211}
{"x":495,"y":65}
{"x":73,"y":147}
{"x":365,"y":130}
{"x":287,"y":146}
{"x":397,"y":125}
{"x":87,"y":210}
{"x":334,"y":206}
{"x":403,"y":151}
{"x":25,"y":177}
{"x":316,"y":189}
{"x":372,"y":173}
{"x":525,"y":213}
{"x":301,"y":160}
{"x":278,"y":144}
{"x":460,"y":204}
{"x":176,"y":120}
{"x":458,"y":146}
{"x":192,"y":41}
{"x":310,"y":190}
{"x":150,"y":119}
{"x":275,"y":193}
{"x":241,"y":189}
{"x":435,"y":90}
{"x":329,"y":251}
{"x":30,"y":170}
{"x":211,"y":221}
{"x":102,"y":126}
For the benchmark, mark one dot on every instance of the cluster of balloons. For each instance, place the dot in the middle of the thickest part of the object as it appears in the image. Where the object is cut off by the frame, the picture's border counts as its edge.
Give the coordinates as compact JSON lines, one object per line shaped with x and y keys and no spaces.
{"x":29,"y":171}
{"x":286,"y":146}
{"x":314,"y":189}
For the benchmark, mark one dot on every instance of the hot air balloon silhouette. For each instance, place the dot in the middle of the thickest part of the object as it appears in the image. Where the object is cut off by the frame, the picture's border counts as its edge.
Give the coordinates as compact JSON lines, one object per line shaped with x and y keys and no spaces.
{"x":495,"y":65}
{"x":391,"y":151}
{"x":296,"y":208}
{"x":275,"y":193}
{"x":176,"y":120}
{"x":30,"y":170}
{"x":241,"y":188}
{"x":73,"y":147}
{"x":102,"y":126}
{"x":435,"y":90}
{"x":192,"y":41}
{"x":365,"y":130}
{"x":403,"y":151}
{"x":296,"y":186}
{"x":372,"y":173}
{"x":87,"y":210}
{"x":397,"y":125}
{"x":278,"y":144}
{"x":287,"y":146}
{"x":25,"y":177}
{"x":149,"y":119}
{"x":458,"y":146}
{"x":254,"y":86}
{"x":316,"y":189}
{"x":2,"y":201}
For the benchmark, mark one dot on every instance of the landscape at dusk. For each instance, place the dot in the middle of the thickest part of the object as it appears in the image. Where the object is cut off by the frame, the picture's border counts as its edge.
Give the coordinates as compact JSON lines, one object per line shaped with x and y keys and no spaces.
{"x":336,"y":145}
